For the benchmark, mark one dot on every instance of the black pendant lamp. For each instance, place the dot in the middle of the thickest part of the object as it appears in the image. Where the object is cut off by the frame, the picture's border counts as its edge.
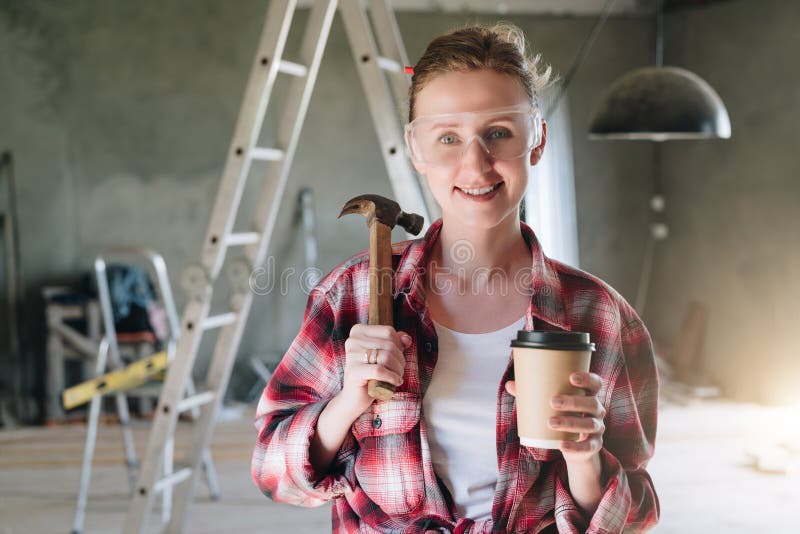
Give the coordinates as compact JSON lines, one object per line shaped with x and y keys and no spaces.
{"x":660,"y":103}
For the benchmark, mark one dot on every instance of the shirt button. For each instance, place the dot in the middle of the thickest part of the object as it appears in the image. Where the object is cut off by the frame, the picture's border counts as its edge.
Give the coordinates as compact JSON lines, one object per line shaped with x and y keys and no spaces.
{"x":428,"y":347}
{"x":376,"y":423}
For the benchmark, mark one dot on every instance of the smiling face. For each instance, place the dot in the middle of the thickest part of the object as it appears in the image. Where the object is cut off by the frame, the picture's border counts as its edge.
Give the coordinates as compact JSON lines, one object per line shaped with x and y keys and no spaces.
{"x":474,"y":188}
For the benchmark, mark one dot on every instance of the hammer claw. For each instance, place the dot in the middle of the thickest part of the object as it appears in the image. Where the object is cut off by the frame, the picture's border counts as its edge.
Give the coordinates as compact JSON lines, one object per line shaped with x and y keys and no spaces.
{"x":384,"y":210}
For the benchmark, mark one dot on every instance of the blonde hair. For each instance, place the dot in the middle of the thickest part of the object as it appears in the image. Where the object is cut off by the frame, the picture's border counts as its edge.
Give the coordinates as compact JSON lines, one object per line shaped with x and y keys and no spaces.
{"x":500,"y":47}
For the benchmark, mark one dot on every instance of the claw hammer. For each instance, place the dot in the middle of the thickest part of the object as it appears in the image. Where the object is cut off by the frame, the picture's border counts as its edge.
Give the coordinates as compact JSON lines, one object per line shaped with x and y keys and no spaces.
{"x":382,"y":215}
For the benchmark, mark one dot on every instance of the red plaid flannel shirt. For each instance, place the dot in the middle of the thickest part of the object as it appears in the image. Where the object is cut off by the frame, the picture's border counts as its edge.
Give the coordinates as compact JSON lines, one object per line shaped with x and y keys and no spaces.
{"x":382,"y":479}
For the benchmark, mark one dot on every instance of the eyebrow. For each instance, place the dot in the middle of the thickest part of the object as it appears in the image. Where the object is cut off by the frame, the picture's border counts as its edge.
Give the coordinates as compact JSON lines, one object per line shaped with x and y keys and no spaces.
{"x":445,"y":124}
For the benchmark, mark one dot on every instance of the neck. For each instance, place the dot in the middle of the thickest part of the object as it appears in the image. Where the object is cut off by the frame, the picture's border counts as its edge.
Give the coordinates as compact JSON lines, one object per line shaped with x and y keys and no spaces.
{"x":465,"y":249}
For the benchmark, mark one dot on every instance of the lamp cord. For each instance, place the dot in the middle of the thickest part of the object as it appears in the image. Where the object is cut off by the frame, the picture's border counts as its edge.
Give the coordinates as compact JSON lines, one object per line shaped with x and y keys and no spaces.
{"x":660,"y":33}
{"x":657,"y":215}
{"x":580,"y":57}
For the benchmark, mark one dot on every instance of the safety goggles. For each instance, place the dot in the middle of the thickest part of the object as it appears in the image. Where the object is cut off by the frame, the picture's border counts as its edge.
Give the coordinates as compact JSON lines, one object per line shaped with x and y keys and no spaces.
{"x":505,"y":133}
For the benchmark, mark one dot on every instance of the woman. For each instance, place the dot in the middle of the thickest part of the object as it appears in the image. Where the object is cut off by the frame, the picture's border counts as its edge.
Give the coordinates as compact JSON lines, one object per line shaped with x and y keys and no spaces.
{"x":443,"y":454}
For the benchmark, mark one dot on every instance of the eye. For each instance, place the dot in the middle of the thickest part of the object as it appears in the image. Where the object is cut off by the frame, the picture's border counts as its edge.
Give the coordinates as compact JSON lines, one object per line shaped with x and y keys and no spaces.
{"x":447,"y":139}
{"x":499,"y":133}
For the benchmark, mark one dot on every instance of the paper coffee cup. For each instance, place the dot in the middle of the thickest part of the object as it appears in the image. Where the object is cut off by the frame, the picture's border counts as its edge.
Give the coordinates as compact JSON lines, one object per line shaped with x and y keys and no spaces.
{"x":543,"y":362}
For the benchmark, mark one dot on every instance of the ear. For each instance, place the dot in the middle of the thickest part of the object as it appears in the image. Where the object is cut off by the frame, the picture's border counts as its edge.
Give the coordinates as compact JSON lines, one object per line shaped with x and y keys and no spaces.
{"x":536,"y":153}
{"x":420,"y":167}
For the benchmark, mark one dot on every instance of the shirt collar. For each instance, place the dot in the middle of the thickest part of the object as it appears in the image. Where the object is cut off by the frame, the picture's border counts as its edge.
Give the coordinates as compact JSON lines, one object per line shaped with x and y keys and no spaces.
{"x":547,"y":303}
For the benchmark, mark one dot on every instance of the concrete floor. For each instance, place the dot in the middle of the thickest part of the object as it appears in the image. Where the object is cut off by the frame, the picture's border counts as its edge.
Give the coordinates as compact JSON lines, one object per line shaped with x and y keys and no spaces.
{"x":700,"y":471}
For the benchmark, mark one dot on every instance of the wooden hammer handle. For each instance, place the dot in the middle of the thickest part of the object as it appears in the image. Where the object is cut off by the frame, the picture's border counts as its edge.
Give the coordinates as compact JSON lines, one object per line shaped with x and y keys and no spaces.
{"x":380,"y":293}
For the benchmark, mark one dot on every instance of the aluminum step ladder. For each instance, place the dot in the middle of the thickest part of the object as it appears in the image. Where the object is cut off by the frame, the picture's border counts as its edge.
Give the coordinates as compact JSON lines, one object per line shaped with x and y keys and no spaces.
{"x":110,"y":358}
{"x":374,"y":66}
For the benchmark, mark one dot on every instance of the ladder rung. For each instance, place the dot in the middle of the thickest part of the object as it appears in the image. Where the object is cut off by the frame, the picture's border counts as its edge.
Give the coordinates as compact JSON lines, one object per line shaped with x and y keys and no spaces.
{"x":170,"y":480}
{"x":266,"y":154}
{"x":195,"y":400}
{"x":388,"y":64}
{"x":215,"y":321}
{"x":294,"y":69}
{"x":245,"y":238}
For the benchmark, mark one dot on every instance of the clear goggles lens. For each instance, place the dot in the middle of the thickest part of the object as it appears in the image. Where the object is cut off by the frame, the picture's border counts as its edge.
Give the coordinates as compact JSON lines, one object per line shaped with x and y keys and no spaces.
{"x":442,"y":140}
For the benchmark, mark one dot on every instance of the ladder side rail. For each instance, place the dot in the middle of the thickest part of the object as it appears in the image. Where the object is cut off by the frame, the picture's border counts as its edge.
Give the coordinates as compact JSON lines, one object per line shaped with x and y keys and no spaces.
{"x":312,"y":48}
{"x":165,"y":289}
{"x":159,"y":266}
{"x":218,"y":376}
{"x":115,"y":362}
{"x":127,"y":436}
{"x":387,"y":125}
{"x":391,"y":45}
{"x":86,"y":469}
{"x":263,"y":73}
{"x":167,"y":470}
{"x":107,"y":312}
{"x":91,"y":441}
{"x":166,"y":416}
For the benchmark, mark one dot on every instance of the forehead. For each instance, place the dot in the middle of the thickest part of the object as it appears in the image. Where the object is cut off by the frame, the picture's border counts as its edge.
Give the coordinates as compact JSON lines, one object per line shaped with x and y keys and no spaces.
{"x":455,"y":92}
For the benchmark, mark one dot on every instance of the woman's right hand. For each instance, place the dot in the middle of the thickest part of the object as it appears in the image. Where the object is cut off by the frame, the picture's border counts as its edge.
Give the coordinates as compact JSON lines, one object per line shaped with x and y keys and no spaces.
{"x":357,"y":372}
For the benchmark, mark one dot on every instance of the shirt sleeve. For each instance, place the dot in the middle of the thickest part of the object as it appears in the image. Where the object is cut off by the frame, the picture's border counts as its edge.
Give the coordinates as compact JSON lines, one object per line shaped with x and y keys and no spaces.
{"x":629,"y":502}
{"x":307,"y":377}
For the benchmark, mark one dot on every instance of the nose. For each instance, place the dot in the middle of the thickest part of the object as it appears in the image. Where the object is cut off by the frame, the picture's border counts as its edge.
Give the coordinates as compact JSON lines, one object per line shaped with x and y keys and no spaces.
{"x":476,"y":156}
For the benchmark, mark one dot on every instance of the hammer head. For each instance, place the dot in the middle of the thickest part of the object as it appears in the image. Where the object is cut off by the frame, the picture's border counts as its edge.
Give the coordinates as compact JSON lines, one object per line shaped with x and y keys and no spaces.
{"x":383,"y":210}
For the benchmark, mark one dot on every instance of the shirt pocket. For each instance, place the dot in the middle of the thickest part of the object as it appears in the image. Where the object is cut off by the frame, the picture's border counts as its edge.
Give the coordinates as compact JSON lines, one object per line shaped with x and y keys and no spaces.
{"x":388,"y":466}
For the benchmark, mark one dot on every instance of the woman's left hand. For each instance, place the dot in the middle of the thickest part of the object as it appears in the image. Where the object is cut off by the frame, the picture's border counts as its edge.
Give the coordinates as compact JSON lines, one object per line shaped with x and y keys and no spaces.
{"x":583,"y":414}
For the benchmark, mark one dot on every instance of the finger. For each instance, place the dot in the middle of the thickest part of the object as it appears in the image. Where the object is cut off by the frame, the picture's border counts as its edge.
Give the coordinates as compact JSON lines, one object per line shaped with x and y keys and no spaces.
{"x":359,"y":354}
{"x":358,"y":342}
{"x":511,"y":387}
{"x":380,"y":332}
{"x":371,"y":371}
{"x":589,"y":405}
{"x":591,"y":382}
{"x":405,"y":339}
{"x":394,"y":360}
{"x":589,"y":425}
{"x":394,"y":343}
{"x":384,"y":332}
{"x":360,"y":345}
{"x":384,"y":358}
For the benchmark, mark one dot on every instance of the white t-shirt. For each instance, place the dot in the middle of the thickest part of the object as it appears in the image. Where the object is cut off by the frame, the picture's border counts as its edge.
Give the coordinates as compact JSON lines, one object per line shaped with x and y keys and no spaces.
{"x":460,"y":410}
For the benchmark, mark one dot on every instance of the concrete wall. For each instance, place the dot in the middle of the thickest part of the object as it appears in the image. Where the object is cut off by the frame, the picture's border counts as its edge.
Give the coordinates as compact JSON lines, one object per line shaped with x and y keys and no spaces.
{"x":120,"y":113}
{"x":734,"y":206}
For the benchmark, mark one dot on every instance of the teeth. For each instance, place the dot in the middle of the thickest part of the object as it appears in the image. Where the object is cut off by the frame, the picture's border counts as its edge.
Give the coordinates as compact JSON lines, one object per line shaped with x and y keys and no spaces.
{"x":481,"y":191}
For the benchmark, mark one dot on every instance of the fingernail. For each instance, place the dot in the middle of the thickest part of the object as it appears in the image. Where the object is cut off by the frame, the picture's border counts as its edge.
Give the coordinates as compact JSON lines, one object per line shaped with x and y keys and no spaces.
{"x":406,"y":340}
{"x":557,"y":401}
{"x":578,"y":379}
{"x":555,"y":421}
